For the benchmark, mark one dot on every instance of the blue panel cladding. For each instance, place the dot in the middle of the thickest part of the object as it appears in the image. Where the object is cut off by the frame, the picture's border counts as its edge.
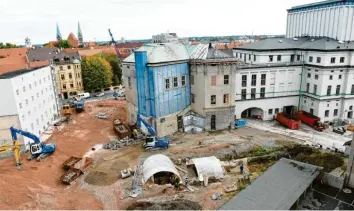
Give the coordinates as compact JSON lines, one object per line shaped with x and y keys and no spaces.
{"x":175,"y":99}
{"x":142,"y":82}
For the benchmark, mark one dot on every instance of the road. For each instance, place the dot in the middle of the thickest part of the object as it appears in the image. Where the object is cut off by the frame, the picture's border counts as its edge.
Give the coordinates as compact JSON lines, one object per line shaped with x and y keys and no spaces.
{"x":107,"y":95}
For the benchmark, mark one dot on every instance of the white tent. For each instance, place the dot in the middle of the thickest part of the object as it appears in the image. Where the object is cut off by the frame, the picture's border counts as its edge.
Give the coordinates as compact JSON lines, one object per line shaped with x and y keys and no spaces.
{"x":158,"y":163}
{"x":208,"y":167}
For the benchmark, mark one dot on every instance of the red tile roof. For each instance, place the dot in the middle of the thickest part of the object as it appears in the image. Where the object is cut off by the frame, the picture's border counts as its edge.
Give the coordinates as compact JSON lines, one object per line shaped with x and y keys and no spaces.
{"x":13,"y":52}
{"x":73,"y":40}
{"x":130,"y":45}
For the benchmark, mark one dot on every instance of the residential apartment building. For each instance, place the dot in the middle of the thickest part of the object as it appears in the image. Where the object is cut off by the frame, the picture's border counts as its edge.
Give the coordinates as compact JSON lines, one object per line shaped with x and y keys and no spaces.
{"x":67,"y":67}
{"x":30,"y":101}
{"x":156,"y":79}
{"x":165,"y":38}
{"x":212,"y":79}
{"x":271,"y":78}
{"x":67,"y":70}
{"x":331,"y":18}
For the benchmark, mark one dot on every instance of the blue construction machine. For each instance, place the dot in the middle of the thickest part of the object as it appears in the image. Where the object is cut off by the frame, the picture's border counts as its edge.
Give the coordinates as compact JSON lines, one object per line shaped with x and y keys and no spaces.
{"x":38,"y":149}
{"x":151,"y":141}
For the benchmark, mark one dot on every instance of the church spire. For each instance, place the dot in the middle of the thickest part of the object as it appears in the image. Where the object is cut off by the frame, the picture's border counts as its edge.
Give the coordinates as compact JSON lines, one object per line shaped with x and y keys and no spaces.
{"x":79,"y":34}
{"x":58,"y":33}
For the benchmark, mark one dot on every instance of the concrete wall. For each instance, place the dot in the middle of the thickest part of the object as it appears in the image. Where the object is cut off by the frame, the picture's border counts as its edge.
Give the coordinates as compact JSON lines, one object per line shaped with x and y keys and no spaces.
{"x":5,"y":123}
{"x":7,"y":92}
{"x":223,"y":117}
{"x":166,"y":125}
{"x":333,"y":180}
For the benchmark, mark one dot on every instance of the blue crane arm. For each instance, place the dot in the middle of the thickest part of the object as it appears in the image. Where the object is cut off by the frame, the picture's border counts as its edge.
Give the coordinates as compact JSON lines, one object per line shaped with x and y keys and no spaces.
{"x":14,"y":132}
{"x":147,"y":125}
{"x":115,"y":46}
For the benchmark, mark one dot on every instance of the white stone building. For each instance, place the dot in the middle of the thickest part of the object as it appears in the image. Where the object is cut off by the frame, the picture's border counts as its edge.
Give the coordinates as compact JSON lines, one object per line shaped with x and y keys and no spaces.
{"x":29,"y":101}
{"x":271,"y":77}
{"x":165,"y":38}
{"x":332,"y":18}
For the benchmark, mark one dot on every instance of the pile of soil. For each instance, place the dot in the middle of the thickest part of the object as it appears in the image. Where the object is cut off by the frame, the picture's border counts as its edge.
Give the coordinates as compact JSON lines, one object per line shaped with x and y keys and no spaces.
{"x":169,"y":205}
{"x":100,"y":178}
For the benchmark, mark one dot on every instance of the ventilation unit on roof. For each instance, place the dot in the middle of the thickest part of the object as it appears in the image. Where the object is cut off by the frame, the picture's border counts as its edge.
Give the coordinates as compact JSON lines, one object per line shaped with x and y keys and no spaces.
{"x":312,"y":40}
{"x":340,"y":42}
{"x":295,"y":39}
{"x":280,"y":41}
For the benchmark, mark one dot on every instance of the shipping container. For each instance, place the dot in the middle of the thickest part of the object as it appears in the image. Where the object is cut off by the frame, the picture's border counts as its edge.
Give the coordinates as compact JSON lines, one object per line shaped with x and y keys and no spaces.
{"x":288,"y":121}
{"x":310,"y":119}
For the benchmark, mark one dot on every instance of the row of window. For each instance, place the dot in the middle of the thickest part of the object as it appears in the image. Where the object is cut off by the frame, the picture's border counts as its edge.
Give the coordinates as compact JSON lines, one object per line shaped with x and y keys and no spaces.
{"x":44,"y":127}
{"x":213,"y":80}
{"x":175,"y":82}
{"x":239,"y":55}
{"x":329,"y":89}
{"x":62,"y":76}
{"x":253,"y":93}
{"x":78,"y":84}
{"x":69,"y":67}
{"x":330,"y":76}
{"x":26,"y":102}
{"x":254,"y":80}
{"x":213,"y":99}
{"x":34,"y":85}
{"x":46,"y":114}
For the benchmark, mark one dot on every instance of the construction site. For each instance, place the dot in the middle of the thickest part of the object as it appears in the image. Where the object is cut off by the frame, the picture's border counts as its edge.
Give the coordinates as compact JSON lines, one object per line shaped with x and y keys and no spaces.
{"x":100,"y":162}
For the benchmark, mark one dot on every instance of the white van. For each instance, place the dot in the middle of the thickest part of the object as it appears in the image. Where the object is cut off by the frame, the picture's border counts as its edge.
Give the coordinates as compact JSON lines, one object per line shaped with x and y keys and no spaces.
{"x":84,"y":95}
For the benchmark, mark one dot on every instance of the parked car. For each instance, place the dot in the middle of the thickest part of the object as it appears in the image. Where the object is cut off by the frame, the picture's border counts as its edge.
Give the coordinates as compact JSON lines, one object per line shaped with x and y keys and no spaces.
{"x":100,"y":94}
{"x":84,"y":95}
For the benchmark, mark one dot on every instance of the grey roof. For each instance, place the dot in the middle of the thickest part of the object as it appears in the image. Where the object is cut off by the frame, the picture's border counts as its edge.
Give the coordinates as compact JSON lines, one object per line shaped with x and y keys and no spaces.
{"x":301,"y":43}
{"x":41,"y":54}
{"x":219,"y":54}
{"x":19,"y":72}
{"x":66,"y":58}
{"x":277,"y":189}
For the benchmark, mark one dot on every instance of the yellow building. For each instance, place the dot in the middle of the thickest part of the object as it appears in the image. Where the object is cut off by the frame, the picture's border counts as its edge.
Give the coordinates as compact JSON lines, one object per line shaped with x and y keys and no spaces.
{"x":69,"y":77}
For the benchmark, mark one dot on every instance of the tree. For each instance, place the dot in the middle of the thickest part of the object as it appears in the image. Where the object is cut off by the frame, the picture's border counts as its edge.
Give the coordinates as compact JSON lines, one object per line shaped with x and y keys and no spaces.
{"x":115,"y":66}
{"x":7,"y":45}
{"x":48,"y":45}
{"x":96,"y":73}
{"x":64,"y":44}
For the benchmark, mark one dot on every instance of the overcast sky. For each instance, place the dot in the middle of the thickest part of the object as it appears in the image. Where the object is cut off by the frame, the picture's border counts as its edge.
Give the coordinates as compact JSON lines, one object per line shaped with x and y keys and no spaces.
{"x":139,"y":19}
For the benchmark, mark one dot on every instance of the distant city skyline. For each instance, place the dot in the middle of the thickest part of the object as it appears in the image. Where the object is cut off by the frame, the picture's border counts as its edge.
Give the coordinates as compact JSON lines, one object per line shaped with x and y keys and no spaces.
{"x":140,"y":19}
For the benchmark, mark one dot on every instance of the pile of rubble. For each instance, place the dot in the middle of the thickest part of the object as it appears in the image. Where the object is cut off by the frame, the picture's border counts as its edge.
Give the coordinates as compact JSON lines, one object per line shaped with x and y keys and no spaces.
{"x":114,"y":145}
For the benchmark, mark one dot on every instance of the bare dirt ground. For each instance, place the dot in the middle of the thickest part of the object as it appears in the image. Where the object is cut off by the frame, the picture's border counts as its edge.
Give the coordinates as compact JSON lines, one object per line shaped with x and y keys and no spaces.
{"x":37,"y":186}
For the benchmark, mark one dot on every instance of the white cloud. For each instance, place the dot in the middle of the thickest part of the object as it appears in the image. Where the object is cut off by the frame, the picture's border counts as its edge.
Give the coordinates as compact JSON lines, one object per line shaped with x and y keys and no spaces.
{"x":140,"y":19}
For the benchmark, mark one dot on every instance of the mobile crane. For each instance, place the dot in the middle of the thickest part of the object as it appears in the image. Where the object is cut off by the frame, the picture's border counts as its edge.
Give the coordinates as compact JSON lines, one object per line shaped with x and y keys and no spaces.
{"x":38,"y":149}
{"x":151,"y":141}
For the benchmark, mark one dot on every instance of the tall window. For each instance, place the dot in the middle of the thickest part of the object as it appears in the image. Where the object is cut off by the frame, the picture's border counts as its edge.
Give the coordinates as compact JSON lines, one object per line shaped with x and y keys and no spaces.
{"x":318,"y":60}
{"x":244,"y":80}
{"x":249,"y":57}
{"x":226,"y":79}
{"x":70,"y":75}
{"x":62,"y":76}
{"x":64,"y":86}
{"x":254,"y":80}
{"x":341,"y":60}
{"x":333,"y":60}
{"x":129,"y":82}
{"x":326,"y":113}
{"x":192,"y":79}
{"x":183,"y":80}
{"x":352,"y":90}
{"x":71,"y":85}
{"x":307,"y":87}
{"x":331,"y":77}
{"x":226,"y":98}
{"x":254,"y":58}
{"x":262,"y":95}
{"x":329,"y":90}
{"x":298,"y":57}
{"x":316,"y":77}
{"x":253,"y":93}
{"x":279,"y":58}
{"x":292,"y":58}
{"x":338,"y":90}
{"x":61,"y":68}
{"x":213,"y":80}
{"x":335,"y":112}
{"x":192,"y":98}
{"x":243,"y":94}
{"x":167,"y":83}
{"x":308,"y":75}
{"x":263,"y":79}
{"x":213,"y":99}
{"x":315,"y":89}
{"x":270,"y":58}
{"x":175,"y":82}
{"x":310,"y":59}
{"x":69,"y":67}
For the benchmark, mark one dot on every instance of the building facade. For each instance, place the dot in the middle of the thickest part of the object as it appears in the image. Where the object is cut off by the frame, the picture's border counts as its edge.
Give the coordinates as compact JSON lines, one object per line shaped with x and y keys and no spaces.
{"x":212,"y":79}
{"x":156,"y":78}
{"x":271,"y":81}
{"x":67,"y":67}
{"x":165,"y":38}
{"x":30,"y":101}
{"x":333,"y":18}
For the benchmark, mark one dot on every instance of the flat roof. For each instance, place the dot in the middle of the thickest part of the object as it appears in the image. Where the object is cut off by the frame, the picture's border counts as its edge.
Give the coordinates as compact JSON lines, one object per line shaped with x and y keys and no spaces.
{"x":277,"y":189}
{"x":320,"y":5}
{"x":19,"y":72}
